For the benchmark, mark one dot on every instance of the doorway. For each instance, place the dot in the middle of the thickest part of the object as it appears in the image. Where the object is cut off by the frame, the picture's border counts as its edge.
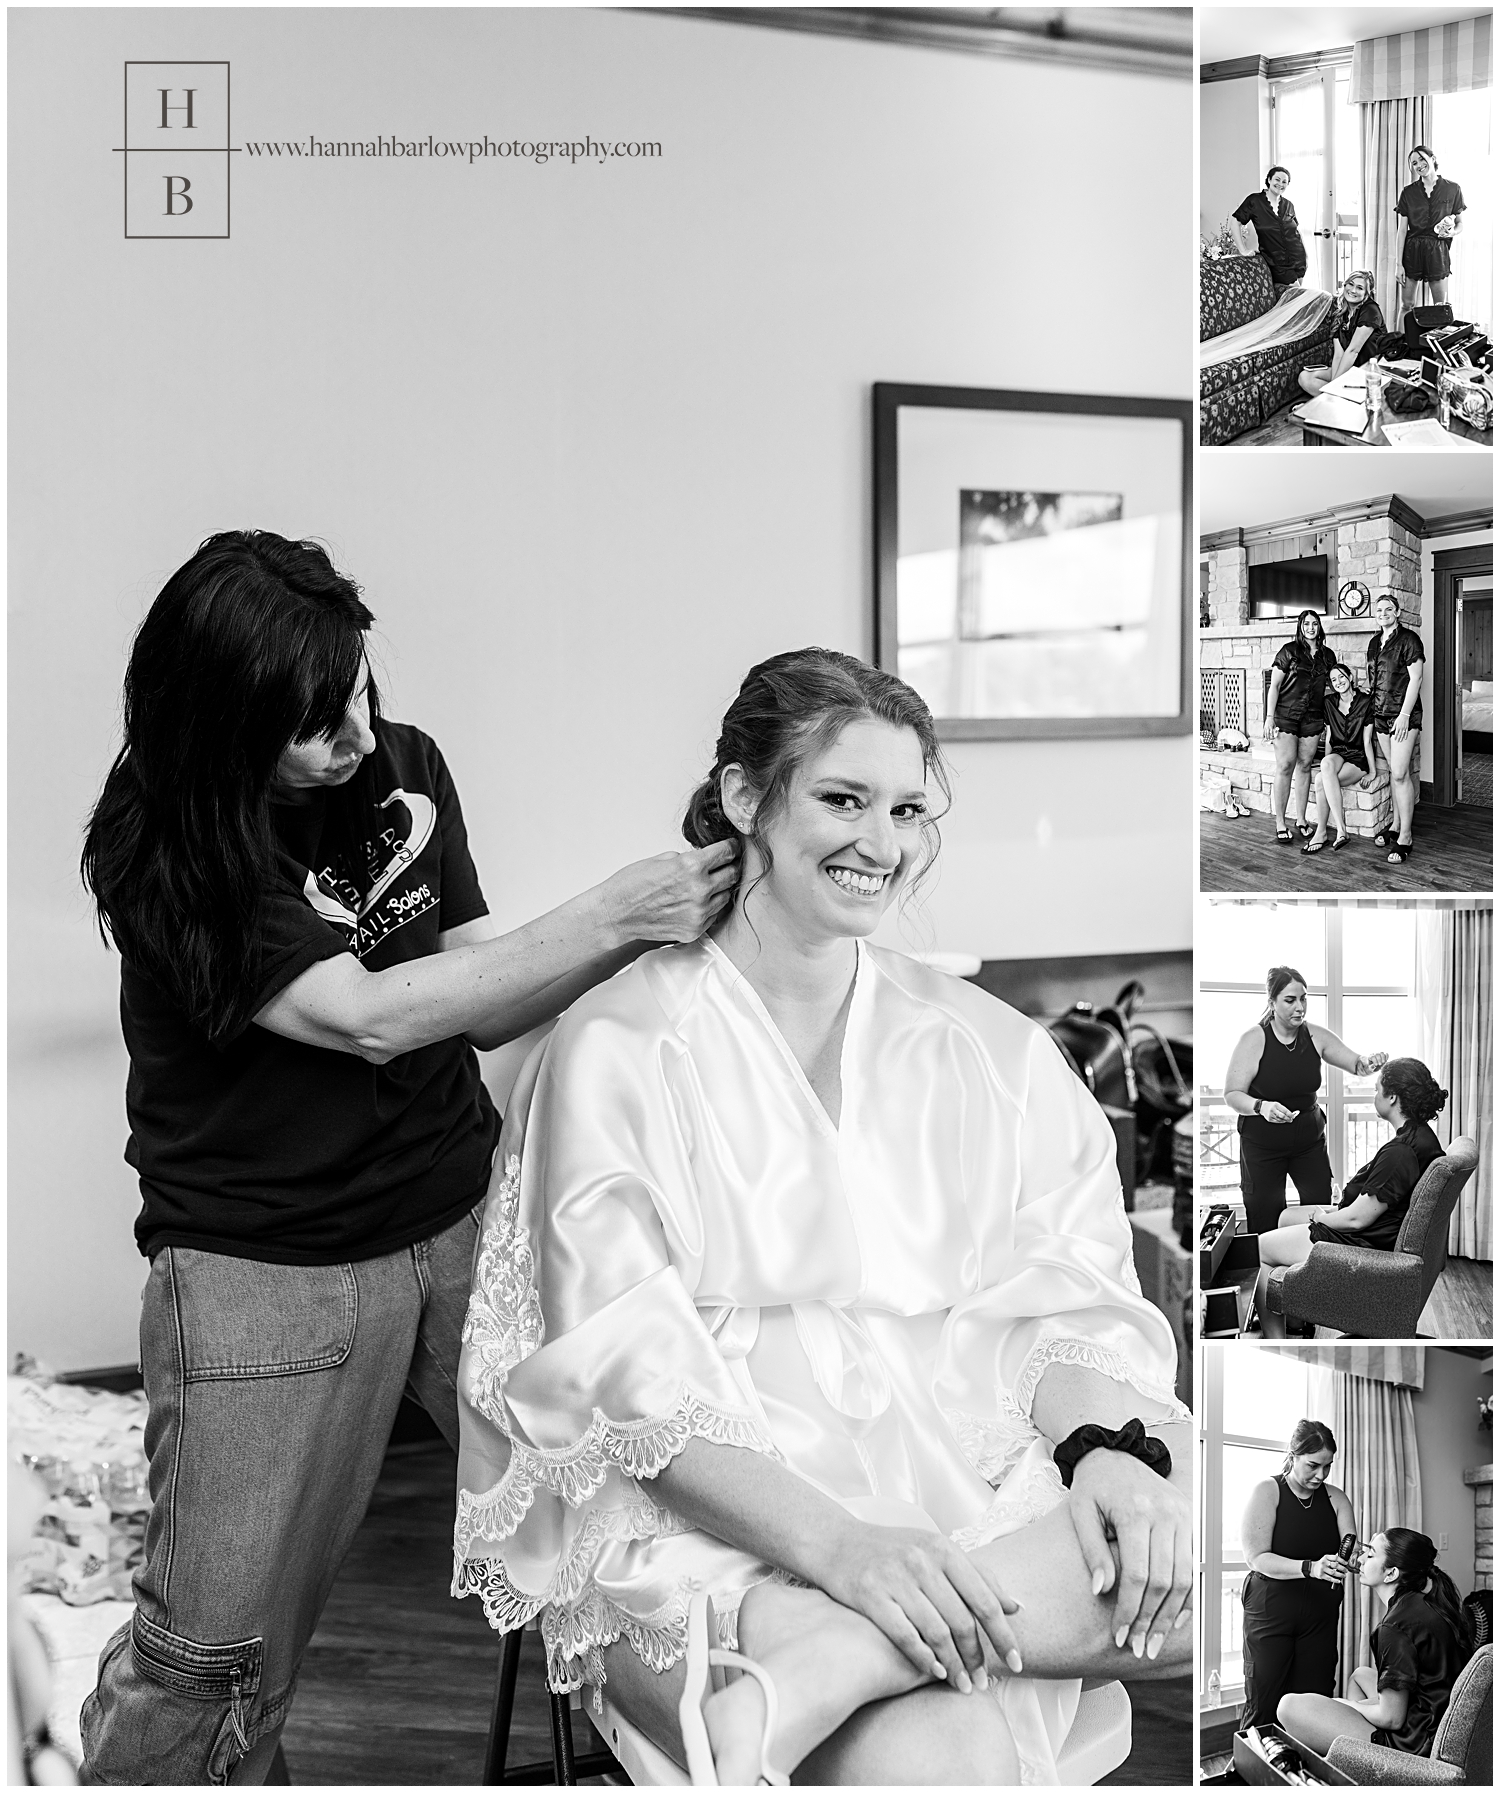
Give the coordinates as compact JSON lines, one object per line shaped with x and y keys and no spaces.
{"x":1316,"y":138}
{"x":1463,"y":677}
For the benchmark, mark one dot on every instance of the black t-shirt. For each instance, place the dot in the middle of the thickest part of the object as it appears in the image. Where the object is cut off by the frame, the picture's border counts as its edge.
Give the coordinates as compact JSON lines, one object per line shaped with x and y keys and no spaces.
{"x":1390,"y":1177}
{"x":1304,"y":682}
{"x":1280,"y":241}
{"x":1415,"y":1647}
{"x":1364,"y":317}
{"x":1347,"y":729}
{"x":262,"y":1147}
{"x":1388,"y":661}
{"x":1423,"y":210}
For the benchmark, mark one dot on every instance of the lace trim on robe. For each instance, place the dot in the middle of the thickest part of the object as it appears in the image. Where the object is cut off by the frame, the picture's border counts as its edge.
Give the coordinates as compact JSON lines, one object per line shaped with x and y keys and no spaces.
{"x":504,"y":1325}
{"x":1089,"y":1356}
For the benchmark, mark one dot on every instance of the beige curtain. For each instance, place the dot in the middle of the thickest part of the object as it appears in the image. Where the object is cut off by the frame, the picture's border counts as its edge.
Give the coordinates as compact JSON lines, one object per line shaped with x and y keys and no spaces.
{"x":1389,"y":131}
{"x":1377,"y":1468}
{"x":1455,"y":962}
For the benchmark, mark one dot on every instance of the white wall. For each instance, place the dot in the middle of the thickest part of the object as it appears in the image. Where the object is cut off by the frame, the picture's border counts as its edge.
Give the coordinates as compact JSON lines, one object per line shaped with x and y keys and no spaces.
{"x":1449,"y":1442}
{"x":594,"y":439}
{"x":1234,"y":145}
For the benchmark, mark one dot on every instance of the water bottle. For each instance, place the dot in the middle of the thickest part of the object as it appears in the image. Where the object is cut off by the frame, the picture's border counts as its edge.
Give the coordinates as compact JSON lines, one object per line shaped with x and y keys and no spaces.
{"x":1215,"y":1689}
{"x":1373,"y":433}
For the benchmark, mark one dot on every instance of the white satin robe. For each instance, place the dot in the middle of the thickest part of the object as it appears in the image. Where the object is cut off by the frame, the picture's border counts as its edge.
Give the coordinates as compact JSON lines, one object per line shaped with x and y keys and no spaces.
{"x":679,"y":1242}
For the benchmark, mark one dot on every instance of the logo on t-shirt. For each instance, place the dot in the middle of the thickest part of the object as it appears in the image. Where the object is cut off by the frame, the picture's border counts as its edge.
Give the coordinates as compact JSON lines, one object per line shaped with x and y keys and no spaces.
{"x":394,"y":898}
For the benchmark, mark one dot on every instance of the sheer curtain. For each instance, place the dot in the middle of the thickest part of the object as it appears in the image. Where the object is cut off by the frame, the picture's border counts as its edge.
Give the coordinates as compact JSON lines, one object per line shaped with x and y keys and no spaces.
{"x":1389,"y":131}
{"x":1455,"y":958}
{"x":1461,"y":133}
{"x":1377,"y":1468}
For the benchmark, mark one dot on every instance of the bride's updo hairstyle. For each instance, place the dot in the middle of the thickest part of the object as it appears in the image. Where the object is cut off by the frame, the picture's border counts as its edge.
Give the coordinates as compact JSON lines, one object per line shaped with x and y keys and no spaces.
{"x":1414,"y":1087}
{"x":793,"y":706}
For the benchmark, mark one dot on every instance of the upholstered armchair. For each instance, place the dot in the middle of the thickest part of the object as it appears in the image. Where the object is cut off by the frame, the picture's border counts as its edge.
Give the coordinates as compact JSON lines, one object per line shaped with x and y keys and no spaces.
{"x":1380,"y":1294}
{"x":1462,"y":1751}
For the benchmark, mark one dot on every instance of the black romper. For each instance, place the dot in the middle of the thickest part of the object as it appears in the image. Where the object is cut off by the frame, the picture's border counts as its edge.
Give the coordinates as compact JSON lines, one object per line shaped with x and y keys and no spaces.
{"x":1304,"y":685}
{"x":1292,"y":1627}
{"x":1346,"y":733}
{"x":1272,"y":1151}
{"x":1415,"y":1647}
{"x":1280,"y":242}
{"x":1424,"y":254}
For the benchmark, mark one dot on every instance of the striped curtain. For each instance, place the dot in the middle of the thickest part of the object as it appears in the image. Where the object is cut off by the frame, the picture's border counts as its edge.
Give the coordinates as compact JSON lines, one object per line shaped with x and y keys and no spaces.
{"x":1389,"y":131}
{"x":1455,"y":962}
{"x":1444,"y":59}
{"x":1378,"y":1468}
{"x":1399,"y":1365}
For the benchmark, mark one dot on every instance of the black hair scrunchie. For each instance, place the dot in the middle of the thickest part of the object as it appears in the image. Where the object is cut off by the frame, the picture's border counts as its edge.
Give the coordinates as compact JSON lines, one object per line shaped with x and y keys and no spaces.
{"x":1131,"y":1438}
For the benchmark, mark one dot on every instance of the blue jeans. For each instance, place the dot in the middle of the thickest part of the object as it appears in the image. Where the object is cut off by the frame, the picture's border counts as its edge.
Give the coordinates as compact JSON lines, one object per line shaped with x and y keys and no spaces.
{"x":273,"y":1388}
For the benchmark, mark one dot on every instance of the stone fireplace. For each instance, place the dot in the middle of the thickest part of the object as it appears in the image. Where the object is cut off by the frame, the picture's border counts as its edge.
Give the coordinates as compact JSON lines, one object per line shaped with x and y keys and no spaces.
{"x":1378,"y":542}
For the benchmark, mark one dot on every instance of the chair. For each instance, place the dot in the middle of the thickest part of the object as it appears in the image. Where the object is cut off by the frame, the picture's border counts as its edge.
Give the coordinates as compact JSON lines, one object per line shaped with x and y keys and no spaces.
{"x":1380,"y":1294}
{"x":1096,"y":1745}
{"x":565,"y":1768}
{"x":1462,"y":1751}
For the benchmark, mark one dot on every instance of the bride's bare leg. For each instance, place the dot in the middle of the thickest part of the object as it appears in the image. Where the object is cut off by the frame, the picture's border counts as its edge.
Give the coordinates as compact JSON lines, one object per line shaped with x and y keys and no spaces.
{"x":836,"y":1675}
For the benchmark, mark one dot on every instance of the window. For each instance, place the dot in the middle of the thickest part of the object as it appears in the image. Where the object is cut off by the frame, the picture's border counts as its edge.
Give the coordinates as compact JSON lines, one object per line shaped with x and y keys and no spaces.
{"x":1361,"y":967}
{"x":1461,"y":142}
{"x":1248,"y":1400}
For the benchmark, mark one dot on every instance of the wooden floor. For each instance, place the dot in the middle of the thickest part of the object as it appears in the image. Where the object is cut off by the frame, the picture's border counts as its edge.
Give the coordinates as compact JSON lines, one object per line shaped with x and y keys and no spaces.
{"x":1280,"y":430}
{"x":397,"y":1684}
{"x":1462,"y":1304}
{"x":1452,"y":852}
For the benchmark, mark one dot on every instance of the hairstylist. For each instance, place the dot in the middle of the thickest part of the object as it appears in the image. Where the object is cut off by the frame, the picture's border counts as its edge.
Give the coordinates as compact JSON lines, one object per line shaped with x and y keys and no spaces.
{"x":1272,"y":1083}
{"x":1291,"y":1532}
{"x":307,"y":963}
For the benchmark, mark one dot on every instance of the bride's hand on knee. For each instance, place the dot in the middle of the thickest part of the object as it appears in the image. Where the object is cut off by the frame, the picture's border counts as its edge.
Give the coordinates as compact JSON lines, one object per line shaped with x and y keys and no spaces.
{"x":1114,"y":1495}
{"x":927,"y":1596}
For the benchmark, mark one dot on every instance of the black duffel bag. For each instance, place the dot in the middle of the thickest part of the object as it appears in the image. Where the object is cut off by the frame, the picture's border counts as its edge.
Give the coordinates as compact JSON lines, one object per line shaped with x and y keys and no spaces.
{"x":1422,"y":318}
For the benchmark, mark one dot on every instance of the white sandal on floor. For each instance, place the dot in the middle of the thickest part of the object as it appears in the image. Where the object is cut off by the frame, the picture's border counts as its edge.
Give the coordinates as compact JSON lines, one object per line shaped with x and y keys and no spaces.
{"x":703,"y":1659}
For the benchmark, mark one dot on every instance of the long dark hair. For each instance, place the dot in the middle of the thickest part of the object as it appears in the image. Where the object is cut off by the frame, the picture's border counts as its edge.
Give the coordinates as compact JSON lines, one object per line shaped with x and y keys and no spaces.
{"x":1299,"y":640}
{"x":1414,"y":1557}
{"x":1414,"y":1087}
{"x":790,"y":707}
{"x":254,"y":644}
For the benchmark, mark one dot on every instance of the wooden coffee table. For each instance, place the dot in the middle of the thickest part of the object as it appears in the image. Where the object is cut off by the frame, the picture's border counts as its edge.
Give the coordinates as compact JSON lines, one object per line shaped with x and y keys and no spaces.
{"x":1324,"y":435}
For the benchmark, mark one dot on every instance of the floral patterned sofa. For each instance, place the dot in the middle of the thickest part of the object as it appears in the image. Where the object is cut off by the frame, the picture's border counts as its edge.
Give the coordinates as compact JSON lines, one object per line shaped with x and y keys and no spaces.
{"x":1238,"y":395}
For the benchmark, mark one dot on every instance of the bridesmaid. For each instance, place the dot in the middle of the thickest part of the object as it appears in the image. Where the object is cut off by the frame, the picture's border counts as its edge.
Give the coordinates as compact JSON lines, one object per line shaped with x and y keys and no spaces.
{"x":1275,"y":219}
{"x":1432,"y":209}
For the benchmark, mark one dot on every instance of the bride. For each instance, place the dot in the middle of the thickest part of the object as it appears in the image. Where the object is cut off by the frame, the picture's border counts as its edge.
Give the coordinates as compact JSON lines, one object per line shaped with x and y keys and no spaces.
{"x":805,"y":1284}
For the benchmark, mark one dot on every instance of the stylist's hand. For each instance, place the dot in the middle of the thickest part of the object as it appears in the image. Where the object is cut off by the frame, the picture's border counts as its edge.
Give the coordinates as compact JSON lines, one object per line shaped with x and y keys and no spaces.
{"x":1331,"y":1568}
{"x":673,"y":896}
{"x":1114,"y":1495}
{"x":1278,"y":1112}
{"x":926,"y":1595}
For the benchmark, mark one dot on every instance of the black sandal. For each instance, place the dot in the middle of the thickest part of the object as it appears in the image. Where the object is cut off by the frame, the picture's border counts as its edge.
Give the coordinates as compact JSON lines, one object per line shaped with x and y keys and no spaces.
{"x":1400,"y":852}
{"x":1306,"y":830}
{"x":1340,"y":840}
{"x":1314,"y":846}
{"x":1284,"y":837}
{"x":1385,"y":837}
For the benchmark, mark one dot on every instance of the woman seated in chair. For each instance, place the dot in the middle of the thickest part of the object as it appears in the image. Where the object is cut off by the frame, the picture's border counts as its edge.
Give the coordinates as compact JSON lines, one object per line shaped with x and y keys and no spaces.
{"x":1376,"y":1197}
{"x":1358,"y":326}
{"x":1420,"y":1646}
{"x":805,"y":1284}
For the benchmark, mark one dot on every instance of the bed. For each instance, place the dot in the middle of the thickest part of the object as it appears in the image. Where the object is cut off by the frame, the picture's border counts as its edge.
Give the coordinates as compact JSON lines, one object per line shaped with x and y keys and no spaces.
{"x":1479,"y":717}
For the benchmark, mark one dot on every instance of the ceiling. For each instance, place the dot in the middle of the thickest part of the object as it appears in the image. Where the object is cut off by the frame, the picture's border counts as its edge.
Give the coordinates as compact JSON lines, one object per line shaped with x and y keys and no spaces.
{"x":1225,"y":32}
{"x":1237,"y":490}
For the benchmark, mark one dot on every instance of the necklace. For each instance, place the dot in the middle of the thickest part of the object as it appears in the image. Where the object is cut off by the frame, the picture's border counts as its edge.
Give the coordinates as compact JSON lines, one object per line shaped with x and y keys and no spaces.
{"x":1285,"y":1045}
{"x":1298,"y":1498}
